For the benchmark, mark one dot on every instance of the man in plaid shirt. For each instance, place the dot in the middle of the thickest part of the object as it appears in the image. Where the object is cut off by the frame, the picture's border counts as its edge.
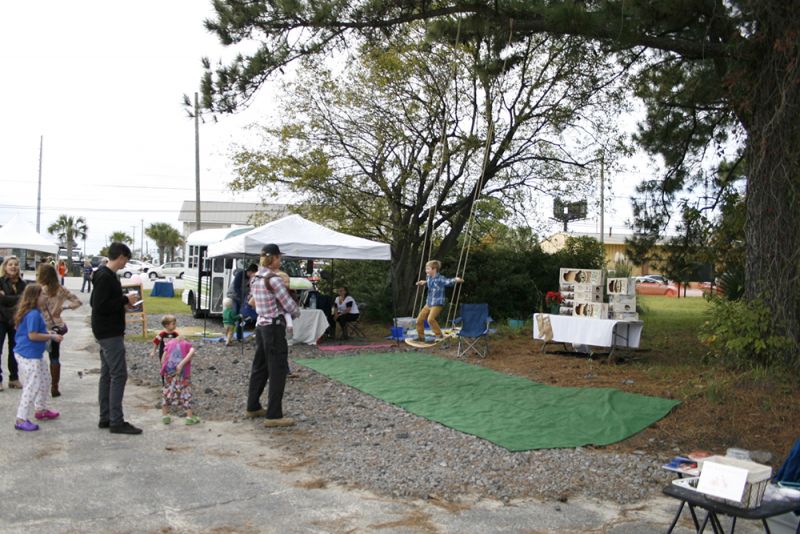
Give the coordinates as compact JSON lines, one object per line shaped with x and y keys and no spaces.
{"x":271,"y":300}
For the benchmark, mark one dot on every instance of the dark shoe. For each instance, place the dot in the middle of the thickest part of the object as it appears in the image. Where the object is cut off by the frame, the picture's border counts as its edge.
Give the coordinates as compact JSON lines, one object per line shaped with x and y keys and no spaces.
{"x":103,"y":424}
{"x":124,"y":428}
{"x":252,"y":414}
{"x":14,"y":384}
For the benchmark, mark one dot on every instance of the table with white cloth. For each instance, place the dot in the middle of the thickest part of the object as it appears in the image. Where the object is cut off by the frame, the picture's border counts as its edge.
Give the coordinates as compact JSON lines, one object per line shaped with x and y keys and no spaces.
{"x":607,"y":333}
{"x":309,"y":327}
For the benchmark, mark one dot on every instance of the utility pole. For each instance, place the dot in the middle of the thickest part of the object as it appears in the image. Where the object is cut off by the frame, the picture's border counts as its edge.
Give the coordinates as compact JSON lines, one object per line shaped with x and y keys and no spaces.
{"x":133,"y":238}
{"x":39,"y":194}
{"x":142,"y":242}
{"x":196,"y":163}
{"x":602,"y":200}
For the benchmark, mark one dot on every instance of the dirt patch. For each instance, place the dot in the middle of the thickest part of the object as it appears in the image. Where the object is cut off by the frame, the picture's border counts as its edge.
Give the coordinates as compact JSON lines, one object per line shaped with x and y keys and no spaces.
{"x":719,"y":408}
{"x":417,"y":520}
{"x":317,"y":483}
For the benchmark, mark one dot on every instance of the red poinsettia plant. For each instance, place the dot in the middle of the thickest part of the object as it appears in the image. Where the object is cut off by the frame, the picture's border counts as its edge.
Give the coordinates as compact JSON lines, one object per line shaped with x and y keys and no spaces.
{"x":553,"y":297}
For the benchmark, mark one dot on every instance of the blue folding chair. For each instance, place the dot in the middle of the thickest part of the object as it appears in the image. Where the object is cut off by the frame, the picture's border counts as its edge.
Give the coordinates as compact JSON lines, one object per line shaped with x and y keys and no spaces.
{"x":474,"y":333}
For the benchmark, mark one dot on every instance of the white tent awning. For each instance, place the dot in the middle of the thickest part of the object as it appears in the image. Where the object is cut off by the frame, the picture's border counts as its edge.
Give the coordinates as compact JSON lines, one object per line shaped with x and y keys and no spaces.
{"x":300,"y":238}
{"x":17,"y":233}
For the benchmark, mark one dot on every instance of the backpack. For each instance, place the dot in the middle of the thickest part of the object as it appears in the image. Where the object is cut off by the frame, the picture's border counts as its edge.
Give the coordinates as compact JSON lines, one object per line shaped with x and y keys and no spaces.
{"x":790,"y":470}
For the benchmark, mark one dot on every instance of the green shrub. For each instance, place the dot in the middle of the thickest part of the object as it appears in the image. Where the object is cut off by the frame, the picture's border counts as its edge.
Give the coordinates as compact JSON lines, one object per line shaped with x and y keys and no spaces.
{"x":741,"y":334}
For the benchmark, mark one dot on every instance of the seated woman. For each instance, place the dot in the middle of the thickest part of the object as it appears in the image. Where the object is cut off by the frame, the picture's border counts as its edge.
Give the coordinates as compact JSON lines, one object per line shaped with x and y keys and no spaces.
{"x":346,"y":310}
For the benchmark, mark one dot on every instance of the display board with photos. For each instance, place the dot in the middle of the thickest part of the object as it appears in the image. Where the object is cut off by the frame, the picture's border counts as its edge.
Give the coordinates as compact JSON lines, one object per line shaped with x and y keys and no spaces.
{"x":622,"y":299}
{"x":582,"y":291}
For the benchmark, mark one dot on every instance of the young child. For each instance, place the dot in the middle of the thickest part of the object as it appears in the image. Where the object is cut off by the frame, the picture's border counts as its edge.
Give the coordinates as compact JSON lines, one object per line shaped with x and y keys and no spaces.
{"x":32,"y":337}
{"x":230,"y":319}
{"x":176,"y":369}
{"x":435,"y":301}
{"x":170,"y":323}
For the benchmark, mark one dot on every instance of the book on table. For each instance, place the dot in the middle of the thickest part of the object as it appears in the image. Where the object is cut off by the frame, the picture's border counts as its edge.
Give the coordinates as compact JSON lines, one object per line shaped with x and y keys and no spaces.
{"x":683,"y":465}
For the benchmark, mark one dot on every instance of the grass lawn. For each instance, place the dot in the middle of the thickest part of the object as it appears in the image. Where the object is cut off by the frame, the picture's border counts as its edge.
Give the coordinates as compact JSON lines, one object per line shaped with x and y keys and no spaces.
{"x":163,"y":306}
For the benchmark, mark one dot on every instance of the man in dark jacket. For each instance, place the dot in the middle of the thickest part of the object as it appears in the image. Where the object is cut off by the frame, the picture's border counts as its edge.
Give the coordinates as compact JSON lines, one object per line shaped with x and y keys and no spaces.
{"x":108,"y":327}
{"x":239,"y":291}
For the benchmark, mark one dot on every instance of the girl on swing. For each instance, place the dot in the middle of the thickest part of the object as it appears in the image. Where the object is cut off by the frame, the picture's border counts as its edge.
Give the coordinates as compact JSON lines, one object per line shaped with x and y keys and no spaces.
{"x":434,"y":303}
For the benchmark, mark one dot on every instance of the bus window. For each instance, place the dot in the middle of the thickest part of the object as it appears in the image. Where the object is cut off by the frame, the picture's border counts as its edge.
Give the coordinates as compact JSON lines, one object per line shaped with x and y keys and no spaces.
{"x":219,"y":265}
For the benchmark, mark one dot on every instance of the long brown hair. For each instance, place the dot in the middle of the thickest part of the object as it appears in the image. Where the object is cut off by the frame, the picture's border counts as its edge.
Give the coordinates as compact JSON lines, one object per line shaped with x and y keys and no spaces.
{"x":47,"y":277}
{"x":27,"y":302}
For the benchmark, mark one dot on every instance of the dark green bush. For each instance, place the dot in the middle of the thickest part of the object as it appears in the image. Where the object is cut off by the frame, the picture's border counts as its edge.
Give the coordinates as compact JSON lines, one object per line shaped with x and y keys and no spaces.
{"x":741,"y":334}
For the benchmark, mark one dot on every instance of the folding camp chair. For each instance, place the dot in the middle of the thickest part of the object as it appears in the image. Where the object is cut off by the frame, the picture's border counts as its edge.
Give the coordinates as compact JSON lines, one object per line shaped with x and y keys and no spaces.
{"x":474,"y":333}
{"x":354,"y":328}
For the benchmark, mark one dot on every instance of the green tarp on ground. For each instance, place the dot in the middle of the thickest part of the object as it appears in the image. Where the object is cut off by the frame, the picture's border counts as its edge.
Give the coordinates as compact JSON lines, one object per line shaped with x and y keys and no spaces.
{"x":512,"y":412}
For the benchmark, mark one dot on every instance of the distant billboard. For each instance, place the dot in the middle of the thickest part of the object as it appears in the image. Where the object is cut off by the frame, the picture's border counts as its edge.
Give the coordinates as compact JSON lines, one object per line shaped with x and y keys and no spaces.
{"x":569,"y":211}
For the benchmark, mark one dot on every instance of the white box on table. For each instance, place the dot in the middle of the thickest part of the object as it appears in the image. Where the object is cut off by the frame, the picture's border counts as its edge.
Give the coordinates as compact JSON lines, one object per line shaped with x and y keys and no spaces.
{"x":591,"y":309}
{"x":758,"y":476}
{"x":624,"y":316}
{"x":588,"y":296}
{"x":568,"y":275}
{"x":622,"y":303}
{"x":620,"y":286}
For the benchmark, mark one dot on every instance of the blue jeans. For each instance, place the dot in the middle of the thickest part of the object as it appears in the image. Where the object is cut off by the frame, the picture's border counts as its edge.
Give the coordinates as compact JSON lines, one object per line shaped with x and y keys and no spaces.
{"x":113,"y":376}
{"x":10,"y":331}
{"x":86,"y":281}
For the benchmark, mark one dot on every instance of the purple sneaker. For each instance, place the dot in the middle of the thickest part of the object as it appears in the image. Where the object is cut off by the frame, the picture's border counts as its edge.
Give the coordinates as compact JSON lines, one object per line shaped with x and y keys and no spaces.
{"x":26,"y":426}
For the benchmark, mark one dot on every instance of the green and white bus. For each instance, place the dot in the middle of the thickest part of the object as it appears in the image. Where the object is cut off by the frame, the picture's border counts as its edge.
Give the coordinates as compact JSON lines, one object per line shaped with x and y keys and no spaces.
{"x":206,"y":280}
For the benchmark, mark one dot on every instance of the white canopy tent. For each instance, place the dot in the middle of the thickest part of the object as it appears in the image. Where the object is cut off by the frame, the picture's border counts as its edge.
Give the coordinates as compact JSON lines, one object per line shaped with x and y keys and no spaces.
{"x":300,"y":238}
{"x":21,"y":234}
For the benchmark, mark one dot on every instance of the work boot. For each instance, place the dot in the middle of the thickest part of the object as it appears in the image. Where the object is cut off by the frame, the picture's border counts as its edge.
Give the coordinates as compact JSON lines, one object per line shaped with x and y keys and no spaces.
{"x":283,"y":421}
{"x":55,"y":375}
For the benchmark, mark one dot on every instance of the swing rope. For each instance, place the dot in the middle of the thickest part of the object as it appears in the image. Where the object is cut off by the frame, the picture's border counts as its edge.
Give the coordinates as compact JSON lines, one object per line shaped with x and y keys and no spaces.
{"x":432,"y":210}
{"x":461,"y":267}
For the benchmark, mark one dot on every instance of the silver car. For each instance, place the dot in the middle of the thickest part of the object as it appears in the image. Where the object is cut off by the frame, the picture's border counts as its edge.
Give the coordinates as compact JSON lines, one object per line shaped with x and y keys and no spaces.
{"x":171,"y":268}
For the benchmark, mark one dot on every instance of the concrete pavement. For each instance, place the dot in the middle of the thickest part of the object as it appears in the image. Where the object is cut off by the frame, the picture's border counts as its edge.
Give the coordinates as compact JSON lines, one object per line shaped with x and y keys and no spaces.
{"x":223,"y":477}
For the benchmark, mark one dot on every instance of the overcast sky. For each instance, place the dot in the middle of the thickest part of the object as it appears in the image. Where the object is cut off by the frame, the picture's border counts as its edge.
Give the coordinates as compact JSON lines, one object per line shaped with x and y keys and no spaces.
{"x":103,"y":83}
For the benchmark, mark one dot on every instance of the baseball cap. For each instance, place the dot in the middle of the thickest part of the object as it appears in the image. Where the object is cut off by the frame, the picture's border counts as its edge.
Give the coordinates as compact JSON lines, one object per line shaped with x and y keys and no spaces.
{"x":271,"y":250}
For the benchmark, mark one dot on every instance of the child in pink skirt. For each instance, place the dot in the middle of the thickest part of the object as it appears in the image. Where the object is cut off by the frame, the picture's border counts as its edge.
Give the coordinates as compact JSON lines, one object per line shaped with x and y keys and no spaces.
{"x":176,"y":368}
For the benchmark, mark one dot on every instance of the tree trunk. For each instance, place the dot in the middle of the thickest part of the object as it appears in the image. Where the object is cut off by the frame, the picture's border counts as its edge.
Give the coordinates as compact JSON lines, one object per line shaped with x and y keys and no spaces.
{"x":772,"y":228}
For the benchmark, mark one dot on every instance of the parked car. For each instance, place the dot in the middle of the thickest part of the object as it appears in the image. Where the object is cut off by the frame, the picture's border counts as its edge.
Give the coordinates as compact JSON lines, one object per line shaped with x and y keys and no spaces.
{"x":129,"y":270}
{"x":143,"y":266}
{"x":97,"y":261}
{"x":171,"y":268}
{"x":654,"y":278}
{"x":649,"y":287}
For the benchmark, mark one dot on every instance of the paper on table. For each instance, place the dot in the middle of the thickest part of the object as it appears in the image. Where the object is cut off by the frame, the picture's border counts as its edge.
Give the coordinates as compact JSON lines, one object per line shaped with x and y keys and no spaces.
{"x":724,"y":481}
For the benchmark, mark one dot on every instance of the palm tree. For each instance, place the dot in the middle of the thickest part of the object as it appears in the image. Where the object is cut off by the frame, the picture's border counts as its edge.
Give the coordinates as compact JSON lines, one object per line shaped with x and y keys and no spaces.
{"x":67,"y":229}
{"x":120,"y":237}
{"x":166,"y":237}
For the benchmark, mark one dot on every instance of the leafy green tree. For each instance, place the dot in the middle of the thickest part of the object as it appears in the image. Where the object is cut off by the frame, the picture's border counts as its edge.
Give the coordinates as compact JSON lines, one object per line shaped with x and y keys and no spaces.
{"x":687,"y":253}
{"x":167,"y":238}
{"x":68,"y":229}
{"x":712,"y":71}
{"x":411,"y":136}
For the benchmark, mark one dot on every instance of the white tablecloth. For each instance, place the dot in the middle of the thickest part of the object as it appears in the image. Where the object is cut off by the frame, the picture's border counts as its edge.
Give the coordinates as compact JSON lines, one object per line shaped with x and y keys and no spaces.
{"x":309,"y":327}
{"x":594,"y":332}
